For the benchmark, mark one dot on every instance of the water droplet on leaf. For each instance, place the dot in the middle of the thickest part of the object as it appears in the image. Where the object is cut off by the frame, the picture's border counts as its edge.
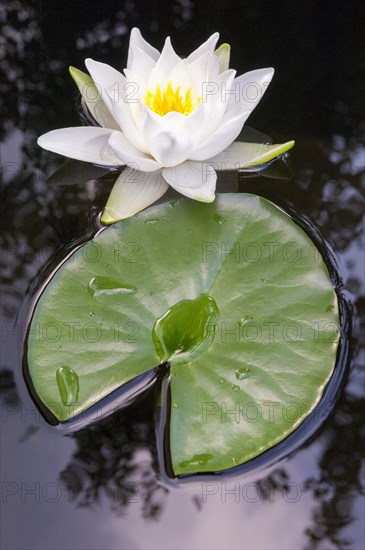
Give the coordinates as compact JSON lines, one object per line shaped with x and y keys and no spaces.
{"x":245,"y":320}
{"x":186,"y":329}
{"x":103,"y":285}
{"x":197,"y":460}
{"x":68,"y":385}
{"x":219,"y":219}
{"x":243,"y":373}
{"x":155,"y":220}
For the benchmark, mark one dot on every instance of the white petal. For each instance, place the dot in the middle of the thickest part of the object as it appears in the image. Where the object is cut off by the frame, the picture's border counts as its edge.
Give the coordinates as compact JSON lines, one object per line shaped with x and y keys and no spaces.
{"x":180,"y":76}
{"x":192,"y":125}
{"x":135,"y":94}
{"x":136,"y":86}
{"x":164,"y":66}
{"x":217,"y":102}
{"x":195,"y":122}
{"x":243,"y":155}
{"x":196,"y":180}
{"x":213,"y":67}
{"x":92,"y":98}
{"x":207,"y":46}
{"x":204,"y":71}
{"x":183,"y":126}
{"x":107,"y":78}
{"x":152,"y":124}
{"x":124,"y":116}
{"x":220,"y":139}
{"x":198,"y":70}
{"x":140,"y":62}
{"x":103,"y":116}
{"x":86,"y":143}
{"x":170,"y":149}
{"x":250,"y":88}
{"x":130,"y":155}
{"x":132,"y":192}
{"x":137,"y":41}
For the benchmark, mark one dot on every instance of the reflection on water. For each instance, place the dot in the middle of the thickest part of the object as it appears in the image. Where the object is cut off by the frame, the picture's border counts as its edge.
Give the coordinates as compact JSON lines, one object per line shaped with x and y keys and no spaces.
{"x":116,"y":457}
{"x":107,"y":472}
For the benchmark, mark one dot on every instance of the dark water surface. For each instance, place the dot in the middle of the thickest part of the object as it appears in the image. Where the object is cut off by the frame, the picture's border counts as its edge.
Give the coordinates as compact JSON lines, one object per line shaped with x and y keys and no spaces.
{"x":100,"y":488}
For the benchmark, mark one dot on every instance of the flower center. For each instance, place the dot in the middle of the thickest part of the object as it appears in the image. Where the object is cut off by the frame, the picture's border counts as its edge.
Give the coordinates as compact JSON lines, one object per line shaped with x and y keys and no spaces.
{"x":165,"y":101}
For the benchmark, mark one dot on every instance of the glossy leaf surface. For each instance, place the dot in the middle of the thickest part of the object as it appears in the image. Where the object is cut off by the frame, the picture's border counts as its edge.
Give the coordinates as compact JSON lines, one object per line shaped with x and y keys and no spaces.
{"x":246,"y":368}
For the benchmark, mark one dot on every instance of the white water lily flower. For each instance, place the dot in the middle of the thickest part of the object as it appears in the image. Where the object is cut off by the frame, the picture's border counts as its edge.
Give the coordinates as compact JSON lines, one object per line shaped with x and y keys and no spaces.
{"x":172,"y":121}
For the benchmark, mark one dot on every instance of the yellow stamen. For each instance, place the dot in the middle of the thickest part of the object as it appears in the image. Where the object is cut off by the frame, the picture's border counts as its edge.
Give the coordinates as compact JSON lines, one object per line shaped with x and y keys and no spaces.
{"x":165,"y":101}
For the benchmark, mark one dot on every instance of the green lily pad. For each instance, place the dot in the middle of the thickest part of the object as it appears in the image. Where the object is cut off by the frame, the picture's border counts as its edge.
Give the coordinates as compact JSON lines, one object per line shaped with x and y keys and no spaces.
{"x":233,"y":294}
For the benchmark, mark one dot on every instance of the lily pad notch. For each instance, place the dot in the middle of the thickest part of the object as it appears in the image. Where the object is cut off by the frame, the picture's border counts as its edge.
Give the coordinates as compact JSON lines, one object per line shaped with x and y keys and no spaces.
{"x":232,"y":295}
